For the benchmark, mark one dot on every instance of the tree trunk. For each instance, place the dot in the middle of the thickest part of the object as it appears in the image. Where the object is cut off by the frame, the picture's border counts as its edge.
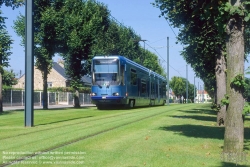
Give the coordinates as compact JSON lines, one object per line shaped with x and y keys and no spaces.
{"x":234,"y":128}
{"x":76,"y":99}
{"x":220,"y":87}
{"x":1,"y":92}
{"x":45,"y":87}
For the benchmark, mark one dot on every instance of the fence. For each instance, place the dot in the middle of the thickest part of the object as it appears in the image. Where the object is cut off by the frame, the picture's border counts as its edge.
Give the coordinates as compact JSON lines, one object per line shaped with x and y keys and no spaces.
{"x":16,"y":98}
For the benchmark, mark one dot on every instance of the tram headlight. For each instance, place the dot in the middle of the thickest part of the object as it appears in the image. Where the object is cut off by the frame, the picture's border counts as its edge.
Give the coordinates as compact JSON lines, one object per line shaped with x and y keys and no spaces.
{"x":116,"y":94}
{"x":93,"y":94}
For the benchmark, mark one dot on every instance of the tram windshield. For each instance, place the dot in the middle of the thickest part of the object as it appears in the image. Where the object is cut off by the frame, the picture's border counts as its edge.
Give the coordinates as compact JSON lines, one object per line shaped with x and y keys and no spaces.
{"x":105,"y":72}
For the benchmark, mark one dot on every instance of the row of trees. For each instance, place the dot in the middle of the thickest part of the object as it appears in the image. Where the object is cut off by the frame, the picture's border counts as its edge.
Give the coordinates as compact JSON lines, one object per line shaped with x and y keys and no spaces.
{"x":214,"y":35}
{"x":178,"y":86}
{"x":78,"y":30}
{"x":5,"y":45}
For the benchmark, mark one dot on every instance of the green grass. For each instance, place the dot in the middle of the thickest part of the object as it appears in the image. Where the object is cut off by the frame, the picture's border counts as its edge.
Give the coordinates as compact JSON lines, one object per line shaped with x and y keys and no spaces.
{"x":168,"y":136}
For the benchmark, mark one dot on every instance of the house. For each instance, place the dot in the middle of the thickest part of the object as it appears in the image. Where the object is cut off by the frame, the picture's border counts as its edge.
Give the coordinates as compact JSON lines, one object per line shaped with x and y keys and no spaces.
{"x":56,"y":78}
{"x":172,"y":95}
{"x":202,"y":96}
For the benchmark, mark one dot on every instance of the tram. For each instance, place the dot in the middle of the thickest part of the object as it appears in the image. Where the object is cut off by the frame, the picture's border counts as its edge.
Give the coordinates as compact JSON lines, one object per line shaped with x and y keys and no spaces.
{"x":118,"y":81}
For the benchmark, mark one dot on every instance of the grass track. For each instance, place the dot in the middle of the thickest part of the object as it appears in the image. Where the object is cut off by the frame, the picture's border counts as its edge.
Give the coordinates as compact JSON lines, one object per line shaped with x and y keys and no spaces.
{"x":177,"y":135}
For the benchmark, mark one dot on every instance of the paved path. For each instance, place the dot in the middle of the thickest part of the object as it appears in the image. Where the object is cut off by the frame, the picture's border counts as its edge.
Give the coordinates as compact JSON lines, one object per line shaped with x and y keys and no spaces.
{"x":40,"y":107}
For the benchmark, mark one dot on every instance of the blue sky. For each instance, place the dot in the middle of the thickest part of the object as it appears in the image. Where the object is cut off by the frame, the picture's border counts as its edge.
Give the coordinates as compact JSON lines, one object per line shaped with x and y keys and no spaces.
{"x":141,"y":16}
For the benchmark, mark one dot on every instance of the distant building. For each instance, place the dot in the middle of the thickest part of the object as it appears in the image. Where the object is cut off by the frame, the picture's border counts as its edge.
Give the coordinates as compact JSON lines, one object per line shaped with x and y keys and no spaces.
{"x":172,"y":95}
{"x":202,"y":96}
{"x":56,"y":78}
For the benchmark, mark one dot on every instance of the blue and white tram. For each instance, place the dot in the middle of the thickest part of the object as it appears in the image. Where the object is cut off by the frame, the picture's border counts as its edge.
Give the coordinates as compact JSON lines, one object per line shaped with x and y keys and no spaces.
{"x":119,"y":81}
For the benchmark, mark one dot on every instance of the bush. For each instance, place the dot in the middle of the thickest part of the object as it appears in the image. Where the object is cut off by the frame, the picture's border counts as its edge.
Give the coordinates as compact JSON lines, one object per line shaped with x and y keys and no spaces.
{"x":210,"y":100}
{"x":69,"y":89}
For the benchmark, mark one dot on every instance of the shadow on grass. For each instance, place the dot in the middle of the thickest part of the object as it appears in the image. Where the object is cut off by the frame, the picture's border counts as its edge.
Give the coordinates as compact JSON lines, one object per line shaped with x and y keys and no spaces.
{"x":200,"y":111}
{"x":197,"y":117}
{"x":247,"y":139}
{"x":6,"y":112}
{"x":116,"y":107}
{"x":66,"y":108}
{"x":64,"y":120}
{"x":230,"y":164}
{"x":247,"y":118}
{"x":198,"y":131}
{"x":201,"y":131}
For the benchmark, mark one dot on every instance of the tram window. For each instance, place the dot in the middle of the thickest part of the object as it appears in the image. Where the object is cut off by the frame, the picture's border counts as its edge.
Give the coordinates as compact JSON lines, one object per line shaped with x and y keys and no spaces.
{"x":133,"y":79}
{"x":143,"y":87}
{"x":157,"y":89}
{"x":163,"y":89}
{"x":160,"y":92}
{"x":152,"y":87}
{"x":122,"y":74}
{"x":164,"y":86}
{"x":105,"y":72}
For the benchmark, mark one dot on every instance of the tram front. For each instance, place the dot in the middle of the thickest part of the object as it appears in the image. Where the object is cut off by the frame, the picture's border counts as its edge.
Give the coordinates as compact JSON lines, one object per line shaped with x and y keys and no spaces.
{"x":107,"y":81}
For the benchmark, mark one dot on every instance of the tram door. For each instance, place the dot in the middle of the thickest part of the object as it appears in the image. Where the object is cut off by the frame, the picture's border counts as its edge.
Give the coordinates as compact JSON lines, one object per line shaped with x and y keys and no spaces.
{"x":139,"y":86}
{"x":123,"y":80}
{"x":158,"y":90}
{"x":152,"y":88}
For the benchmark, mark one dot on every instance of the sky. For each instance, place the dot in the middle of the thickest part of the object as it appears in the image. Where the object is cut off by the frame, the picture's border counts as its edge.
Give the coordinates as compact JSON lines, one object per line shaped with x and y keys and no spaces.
{"x":142,"y":17}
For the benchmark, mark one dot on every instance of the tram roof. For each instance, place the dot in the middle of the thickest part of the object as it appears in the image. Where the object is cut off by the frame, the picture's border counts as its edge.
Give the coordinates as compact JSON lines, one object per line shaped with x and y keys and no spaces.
{"x":132,"y":63}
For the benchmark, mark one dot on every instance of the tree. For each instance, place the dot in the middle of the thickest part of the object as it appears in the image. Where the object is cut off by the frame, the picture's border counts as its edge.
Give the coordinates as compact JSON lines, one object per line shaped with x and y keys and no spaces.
{"x":5,"y":47}
{"x":5,"y":41}
{"x":121,"y":40}
{"x":178,"y":85}
{"x":191,"y":93}
{"x":234,"y":129}
{"x":77,"y":30}
{"x":247,"y":90}
{"x":82,"y":22}
{"x":203,"y":47}
{"x":45,"y":38}
{"x":9,"y":78}
{"x":91,"y":33}
{"x":117,"y":40}
{"x":152,"y":62}
{"x":228,"y":19}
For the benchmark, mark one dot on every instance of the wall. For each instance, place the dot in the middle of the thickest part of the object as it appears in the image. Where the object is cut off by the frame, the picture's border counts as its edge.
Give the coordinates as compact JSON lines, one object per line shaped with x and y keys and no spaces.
{"x":54,"y":77}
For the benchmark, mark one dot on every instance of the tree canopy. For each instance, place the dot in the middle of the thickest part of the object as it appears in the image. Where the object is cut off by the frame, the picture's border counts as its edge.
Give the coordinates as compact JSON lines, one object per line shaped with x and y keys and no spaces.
{"x":5,"y":47}
{"x":178,"y":85}
{"x":122,"y":40}
{"x":210,"y":29}
{"x":5,"y":42}
{"x":78,"y":30}
{"x":9,"y":78}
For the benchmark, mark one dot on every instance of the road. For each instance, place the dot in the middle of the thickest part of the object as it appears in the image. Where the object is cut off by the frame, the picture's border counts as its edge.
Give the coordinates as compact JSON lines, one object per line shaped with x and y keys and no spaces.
{"x":12,"y":108}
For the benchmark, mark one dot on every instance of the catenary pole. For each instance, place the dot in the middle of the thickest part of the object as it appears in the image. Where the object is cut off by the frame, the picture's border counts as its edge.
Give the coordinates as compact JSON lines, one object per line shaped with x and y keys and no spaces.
{"x":203,"y":96}
{"x":186,"y":83}
{"x":194,"y":89}
{"x":29,"y":63}
{"x":198,"y":94}
{"x":167,"y":70}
